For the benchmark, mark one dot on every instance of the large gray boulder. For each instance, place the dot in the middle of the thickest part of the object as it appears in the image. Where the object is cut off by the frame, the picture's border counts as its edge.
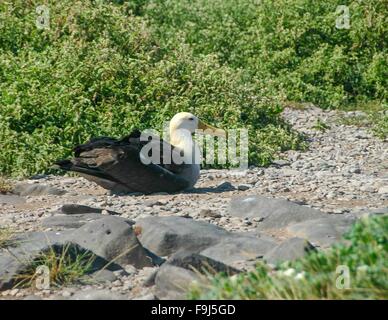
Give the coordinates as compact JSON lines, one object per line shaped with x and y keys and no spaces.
{"x":166,"y":235}
{"x":274,"y":213}
{"x":236,"y":251}
{"x":322,"y":232}
{"x":288,"y":250}
{"x":174,"y":283}
{"x":113,"y":239}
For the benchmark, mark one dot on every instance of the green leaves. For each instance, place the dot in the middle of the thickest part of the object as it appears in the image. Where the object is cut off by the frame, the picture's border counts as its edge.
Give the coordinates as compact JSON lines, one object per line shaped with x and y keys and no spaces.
{"x":105,"y":68}
{"x":293,"y":43}
{"x":99,"y":70}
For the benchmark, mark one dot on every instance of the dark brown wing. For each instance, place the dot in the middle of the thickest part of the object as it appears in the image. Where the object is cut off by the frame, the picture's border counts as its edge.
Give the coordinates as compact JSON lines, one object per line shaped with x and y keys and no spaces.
{"x":116,"y":165}
{"x":163,"y":149}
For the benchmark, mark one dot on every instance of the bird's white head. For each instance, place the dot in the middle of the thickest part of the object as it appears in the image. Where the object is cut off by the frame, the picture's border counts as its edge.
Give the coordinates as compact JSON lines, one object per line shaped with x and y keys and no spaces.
{"x":182,"y":126}
{"x":186,"y":121}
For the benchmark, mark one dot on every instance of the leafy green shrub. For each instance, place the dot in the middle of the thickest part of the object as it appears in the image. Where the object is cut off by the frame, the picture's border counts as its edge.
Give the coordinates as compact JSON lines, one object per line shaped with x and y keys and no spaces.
{"x":5,"y":185}
{"x":292,"y":46}
{"x":315,"y":276}
{"x":98,"y":70}
{"x":380,"y":125}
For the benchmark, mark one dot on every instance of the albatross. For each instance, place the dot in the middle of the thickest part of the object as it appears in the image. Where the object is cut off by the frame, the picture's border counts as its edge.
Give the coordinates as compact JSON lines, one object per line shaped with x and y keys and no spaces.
{"x":142,"y":162}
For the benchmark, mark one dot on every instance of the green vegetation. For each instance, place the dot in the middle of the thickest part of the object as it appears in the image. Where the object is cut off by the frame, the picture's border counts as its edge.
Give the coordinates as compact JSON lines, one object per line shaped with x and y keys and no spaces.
{"x":5,"y":185}
{"x":99,"y":71}
{"x":321,"y":125}
{"x":106,"y":67}
{"x":377,"y":122}
{"x":66,"y":265}
{"x":380,"y":125}
{"x":290,"y":45}
{"x":315,"y":276}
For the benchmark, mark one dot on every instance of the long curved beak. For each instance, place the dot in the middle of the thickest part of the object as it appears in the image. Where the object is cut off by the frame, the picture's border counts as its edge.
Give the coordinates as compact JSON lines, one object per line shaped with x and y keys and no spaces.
{"x":210,"y":130}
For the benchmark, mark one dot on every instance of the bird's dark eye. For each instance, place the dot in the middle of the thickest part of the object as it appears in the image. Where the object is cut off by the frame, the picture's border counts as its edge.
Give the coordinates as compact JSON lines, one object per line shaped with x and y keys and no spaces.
{"x":191,"y":119}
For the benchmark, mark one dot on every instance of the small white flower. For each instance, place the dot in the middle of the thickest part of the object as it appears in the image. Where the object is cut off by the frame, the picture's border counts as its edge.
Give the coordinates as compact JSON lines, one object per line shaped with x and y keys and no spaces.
{"x":300,"y":275}
{"x":289,"y":272}
{"x":363,"y":268}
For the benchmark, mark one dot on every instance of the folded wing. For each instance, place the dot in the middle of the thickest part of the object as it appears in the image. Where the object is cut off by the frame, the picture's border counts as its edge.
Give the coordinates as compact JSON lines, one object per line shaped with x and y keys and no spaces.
{"x":116,"y":165}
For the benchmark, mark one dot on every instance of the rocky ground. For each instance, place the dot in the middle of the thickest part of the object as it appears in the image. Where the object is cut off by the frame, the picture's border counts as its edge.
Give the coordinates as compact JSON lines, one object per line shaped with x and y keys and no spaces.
{"x":229,"y":221}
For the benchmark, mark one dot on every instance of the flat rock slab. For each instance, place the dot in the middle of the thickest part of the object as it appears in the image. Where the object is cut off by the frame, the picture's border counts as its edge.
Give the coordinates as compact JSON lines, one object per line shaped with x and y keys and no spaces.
{"x":288,"y":250}
{"x":11,"y":199}
{"x":236,"y":251}
{"x":322,"y":232}
{"x":173,"y":283}
{"x":166,"y":235}
{"x":113,"y":239}
{"x":274,"y":213}
{"x":70,"y":221}
{"x":75,"y":209}
{"x":35,"y":189}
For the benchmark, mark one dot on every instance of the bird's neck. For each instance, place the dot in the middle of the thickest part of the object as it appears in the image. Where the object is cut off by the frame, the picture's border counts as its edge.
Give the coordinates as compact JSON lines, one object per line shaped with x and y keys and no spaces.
{"x":183,"y":140}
